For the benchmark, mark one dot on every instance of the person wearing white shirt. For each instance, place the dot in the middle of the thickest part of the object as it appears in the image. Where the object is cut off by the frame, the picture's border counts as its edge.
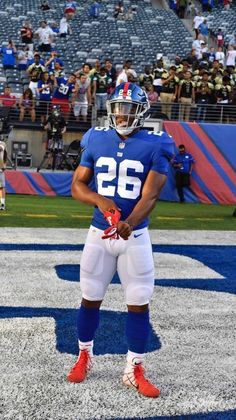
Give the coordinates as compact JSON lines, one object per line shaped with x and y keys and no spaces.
{"x":64,"y":28}
{"x":45,"y":35}
{"x":230,"y":56}
{"x":197,"y":46}
{"x":198,"y":19}
{"x":122,"y":76}
{"x":220,"y":55}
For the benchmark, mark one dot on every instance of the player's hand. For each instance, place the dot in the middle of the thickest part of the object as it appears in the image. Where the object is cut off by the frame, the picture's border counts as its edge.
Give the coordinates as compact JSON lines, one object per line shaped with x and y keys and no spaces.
{"x":124,"y":229}
{"x":106,"y":204}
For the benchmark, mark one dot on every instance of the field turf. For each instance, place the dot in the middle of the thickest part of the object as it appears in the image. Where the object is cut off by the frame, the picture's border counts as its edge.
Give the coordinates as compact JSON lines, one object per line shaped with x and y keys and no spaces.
{"x":64,"y":212}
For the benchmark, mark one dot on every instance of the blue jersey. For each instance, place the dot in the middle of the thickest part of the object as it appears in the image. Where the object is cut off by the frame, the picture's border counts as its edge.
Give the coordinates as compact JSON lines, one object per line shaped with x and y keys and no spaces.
{"x":121,"y":167}
{"x":8,"y":56}
{"x":63,"y":89}
{"x":186,"y":161}
{"x":45,"y":94}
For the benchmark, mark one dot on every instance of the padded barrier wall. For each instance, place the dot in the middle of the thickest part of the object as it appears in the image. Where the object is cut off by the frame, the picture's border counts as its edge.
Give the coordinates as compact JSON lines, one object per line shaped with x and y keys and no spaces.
{"x":213,"y":179}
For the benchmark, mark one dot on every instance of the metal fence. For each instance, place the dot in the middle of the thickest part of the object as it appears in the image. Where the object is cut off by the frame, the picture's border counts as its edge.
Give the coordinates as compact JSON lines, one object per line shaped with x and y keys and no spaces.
{"x":80,"y":117}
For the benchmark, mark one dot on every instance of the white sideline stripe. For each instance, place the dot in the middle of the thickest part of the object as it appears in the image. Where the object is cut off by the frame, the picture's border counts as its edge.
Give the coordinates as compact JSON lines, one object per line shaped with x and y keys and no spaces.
{"x":78,"y":236}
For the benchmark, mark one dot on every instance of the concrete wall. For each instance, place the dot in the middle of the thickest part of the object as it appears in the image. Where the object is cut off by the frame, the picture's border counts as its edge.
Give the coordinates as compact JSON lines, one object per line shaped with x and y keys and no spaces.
{"x":36,"y":142}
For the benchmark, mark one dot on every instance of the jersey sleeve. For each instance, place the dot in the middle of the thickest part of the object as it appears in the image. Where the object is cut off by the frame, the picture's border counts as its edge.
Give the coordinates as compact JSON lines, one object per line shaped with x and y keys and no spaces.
{"x":163,"y":154}
{"x":86,"y":158}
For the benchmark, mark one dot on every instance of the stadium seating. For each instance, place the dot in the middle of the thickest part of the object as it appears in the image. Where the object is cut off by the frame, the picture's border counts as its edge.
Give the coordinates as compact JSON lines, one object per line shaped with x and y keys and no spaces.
{"x":150,"y":32}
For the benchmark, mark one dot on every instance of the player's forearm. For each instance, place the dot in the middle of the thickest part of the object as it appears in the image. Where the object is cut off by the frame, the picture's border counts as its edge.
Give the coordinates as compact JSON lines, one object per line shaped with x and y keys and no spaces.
{"x":142,"y":210}
{"x":80,"y":191}
{"x":150,"y":195}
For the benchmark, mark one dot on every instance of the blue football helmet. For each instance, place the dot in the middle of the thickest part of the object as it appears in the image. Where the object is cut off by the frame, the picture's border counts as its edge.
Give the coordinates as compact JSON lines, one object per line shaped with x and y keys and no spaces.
{"x":127,"y":108}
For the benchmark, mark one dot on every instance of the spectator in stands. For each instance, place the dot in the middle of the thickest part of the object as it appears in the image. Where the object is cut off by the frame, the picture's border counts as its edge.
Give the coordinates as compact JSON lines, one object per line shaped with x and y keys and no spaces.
{"x":131,"y":73}
{"x":8,"y":55}
{"x":203,"y":96}
{"x":205,"y":5}
{"x":64,"y":88}
{"x":182,"y":8}
{"x":232,"y":40}
{"x":86,"y":69}
{"x":220,"y":55}
{"x":70,"y":9}
{"x":27,"y":35}
{"x":111,"y":72}
{"x":44,"y":6}
{"x":94,"y":9}
{"x":186,"y":95}
{"x":197,"y":20}
{"x":183,"y":165}
{"x":158,"y":74}
{"x":3,"y":161}
{"x":211,"y":55}
{"x":45,"y":36}
{"x":146,"y":78}
{"x":58,"y":71}
{"x":45,"y":89}
{"x":230,"y":56}
{"x":101,"y":84}
{"x":65,"y":28}
{"x":130,"y":14}
{"x":169,"y":91}
{"x":22,"y":58}
{"x":173,"y":4}
{"x":190,"y":10}
{"x":35,"y":71}
{"x":7,"y":98}
{"x":197,"y":46}
{"x":223,"y":94}
{"x":220,"y":38}
{"x":27,"y":105}
{"x":51,"y":62}
{"x":81,"y":99}
{"x":204,"y":30}
{"x":227,"y":4}
{"x":153,"y":98}
{"x":122,"y":76}
{"x":191,"y":58}
{"x":54,"y":27}
{"x":119,"y":10}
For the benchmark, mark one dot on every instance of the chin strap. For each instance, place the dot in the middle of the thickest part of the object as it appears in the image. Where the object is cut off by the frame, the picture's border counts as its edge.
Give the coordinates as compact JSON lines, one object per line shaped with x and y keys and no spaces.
{"x":112,"y":217}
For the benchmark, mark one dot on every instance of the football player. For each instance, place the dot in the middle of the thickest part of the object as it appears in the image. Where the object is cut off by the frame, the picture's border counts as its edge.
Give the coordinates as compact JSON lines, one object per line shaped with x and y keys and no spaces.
{"x":129,"y":167}
{"x":3,"y":159}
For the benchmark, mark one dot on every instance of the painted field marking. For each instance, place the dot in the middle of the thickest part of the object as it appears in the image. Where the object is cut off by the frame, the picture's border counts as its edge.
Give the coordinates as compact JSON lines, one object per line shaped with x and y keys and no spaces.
{"x":78,"y":216}
{"x":170,"y":218}
{"x":45,"y":216}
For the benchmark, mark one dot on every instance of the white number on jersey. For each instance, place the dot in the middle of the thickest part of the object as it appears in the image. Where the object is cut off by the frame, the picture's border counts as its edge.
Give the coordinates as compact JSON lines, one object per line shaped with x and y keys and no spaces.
{"x":63,"y":89}
{"x":123,"y":178}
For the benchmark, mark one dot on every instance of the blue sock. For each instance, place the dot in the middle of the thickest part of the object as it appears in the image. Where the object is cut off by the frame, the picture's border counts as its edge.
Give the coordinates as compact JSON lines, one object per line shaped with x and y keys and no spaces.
{"x":87,"y":323}
{"x":137,"y":331}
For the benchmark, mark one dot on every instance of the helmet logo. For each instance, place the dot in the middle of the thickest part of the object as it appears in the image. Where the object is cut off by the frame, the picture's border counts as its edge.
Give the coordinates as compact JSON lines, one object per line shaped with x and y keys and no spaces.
{"x":125,"y":94}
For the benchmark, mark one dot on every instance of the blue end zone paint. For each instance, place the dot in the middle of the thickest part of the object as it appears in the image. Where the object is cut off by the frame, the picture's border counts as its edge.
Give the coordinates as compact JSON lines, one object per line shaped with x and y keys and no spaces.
{"x":112,"y":324}
{"x":221,"y":259}
{"x":216,"y":415}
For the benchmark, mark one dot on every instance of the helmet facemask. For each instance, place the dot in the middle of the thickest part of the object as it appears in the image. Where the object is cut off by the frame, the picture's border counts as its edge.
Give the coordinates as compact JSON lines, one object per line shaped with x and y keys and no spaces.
{"x":126,"y":116}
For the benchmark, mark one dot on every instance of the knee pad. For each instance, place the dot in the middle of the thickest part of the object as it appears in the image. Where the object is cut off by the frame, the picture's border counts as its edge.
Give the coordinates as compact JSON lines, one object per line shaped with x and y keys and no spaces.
{"x":139,"y":294}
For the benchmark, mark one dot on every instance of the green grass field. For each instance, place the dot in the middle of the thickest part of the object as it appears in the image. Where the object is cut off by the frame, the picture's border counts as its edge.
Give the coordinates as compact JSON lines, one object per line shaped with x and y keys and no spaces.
{"x":35,"y":211}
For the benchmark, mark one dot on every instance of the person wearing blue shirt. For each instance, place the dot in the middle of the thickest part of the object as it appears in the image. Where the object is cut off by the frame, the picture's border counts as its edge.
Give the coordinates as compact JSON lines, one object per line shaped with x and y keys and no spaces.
{"x":128,"y":166}
{"x":8,"y":55}
{"x":94,"y":9}
{"x":183,"y":165}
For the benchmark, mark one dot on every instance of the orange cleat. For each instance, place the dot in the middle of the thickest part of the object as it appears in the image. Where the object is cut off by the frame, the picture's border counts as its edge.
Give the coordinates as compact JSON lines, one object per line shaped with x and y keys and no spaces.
{"x":79,"y":371}
{"x":136,"y":379}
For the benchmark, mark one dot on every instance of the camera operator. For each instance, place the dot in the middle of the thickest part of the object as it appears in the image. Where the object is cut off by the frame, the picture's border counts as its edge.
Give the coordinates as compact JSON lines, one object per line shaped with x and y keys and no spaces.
{"x":3,"y":160}
{"x":56,"y":127}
